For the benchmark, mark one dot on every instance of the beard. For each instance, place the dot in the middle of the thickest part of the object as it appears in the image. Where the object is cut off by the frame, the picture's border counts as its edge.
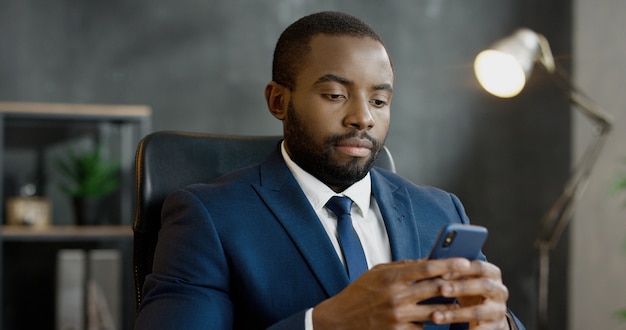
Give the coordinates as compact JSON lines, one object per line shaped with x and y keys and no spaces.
{"x":318,"y":159}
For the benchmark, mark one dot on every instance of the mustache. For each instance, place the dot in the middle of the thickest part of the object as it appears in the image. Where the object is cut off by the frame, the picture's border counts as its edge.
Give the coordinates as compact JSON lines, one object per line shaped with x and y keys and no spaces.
{"x":354,"y":134}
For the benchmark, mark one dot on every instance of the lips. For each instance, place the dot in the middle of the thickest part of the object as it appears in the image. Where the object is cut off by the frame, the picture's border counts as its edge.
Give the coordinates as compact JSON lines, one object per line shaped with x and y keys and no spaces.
{"x":356,"y":142}
{"x":355,"y":147}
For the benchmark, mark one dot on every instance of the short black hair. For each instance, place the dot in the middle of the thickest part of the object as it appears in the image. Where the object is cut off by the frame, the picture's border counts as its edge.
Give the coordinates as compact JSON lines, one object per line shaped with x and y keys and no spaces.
{"x":294,"y":43}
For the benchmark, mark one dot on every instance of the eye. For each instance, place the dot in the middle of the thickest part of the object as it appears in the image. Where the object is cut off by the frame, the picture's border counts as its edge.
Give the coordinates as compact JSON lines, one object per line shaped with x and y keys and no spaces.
{"x":335,"y":97}
{"x":378,"y":103}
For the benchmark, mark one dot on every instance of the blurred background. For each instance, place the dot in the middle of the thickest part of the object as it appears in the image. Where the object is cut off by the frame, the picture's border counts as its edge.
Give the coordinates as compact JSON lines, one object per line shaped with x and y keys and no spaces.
{"x":201,"y":66}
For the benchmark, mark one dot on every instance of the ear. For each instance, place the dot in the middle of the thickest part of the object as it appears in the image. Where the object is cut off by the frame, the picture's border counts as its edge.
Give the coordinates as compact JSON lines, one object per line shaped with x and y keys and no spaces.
{"x":277,"y":98}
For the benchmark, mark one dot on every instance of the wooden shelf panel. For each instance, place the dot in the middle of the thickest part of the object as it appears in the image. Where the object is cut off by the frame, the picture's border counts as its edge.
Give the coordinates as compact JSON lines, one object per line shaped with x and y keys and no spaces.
{"x":65,"y":233}
{"x":74,"y":111}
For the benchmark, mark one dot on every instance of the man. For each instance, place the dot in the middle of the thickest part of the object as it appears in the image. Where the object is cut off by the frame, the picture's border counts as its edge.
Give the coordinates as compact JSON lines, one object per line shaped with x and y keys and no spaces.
{"x":259,"y":248}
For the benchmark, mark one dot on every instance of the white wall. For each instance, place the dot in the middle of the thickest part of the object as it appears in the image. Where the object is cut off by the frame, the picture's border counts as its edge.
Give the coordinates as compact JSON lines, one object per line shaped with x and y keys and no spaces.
{"x":598,"y":254}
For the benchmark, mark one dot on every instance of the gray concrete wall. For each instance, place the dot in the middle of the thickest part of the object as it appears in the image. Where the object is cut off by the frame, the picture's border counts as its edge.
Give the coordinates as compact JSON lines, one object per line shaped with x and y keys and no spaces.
{"x":598,"y":242}
{"x":202,"y":66}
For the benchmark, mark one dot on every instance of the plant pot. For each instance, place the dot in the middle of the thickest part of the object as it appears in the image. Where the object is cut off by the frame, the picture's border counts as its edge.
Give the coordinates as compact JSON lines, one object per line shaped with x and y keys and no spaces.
{"x":87,"y":211}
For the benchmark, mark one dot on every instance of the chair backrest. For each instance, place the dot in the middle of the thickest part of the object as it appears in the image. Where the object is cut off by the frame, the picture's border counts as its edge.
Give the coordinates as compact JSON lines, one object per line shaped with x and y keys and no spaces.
{"x":168,"y":160}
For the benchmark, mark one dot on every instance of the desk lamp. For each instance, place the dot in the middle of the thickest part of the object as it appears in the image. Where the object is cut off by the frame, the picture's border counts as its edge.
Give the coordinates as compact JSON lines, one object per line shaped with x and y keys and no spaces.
{"x":503,"y":70}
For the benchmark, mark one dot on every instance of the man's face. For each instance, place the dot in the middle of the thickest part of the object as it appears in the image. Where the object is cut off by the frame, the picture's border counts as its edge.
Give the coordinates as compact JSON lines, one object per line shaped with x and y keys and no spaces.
{"x":339,"y":111}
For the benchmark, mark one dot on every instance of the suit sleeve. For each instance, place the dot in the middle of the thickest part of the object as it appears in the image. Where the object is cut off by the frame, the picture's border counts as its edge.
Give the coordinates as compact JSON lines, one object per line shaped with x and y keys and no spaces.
{"x":189,"y":287}
{"x":460,"y":209}
{"x":294,"y":322}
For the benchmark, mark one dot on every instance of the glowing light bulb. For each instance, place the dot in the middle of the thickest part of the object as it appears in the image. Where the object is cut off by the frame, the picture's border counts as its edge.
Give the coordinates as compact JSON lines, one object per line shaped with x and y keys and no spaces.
{"x":499,"y":73}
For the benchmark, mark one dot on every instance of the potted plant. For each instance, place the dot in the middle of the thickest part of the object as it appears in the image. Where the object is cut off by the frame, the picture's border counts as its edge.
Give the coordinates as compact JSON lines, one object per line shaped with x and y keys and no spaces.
{"x":90,"y":179}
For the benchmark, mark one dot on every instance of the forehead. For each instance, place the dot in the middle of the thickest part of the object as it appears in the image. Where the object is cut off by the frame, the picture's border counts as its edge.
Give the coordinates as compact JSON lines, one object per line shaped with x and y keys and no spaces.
{"x":359,"y":59}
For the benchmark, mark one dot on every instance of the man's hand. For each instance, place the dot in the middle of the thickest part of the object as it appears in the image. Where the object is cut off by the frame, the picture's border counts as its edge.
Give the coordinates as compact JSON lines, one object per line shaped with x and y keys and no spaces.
{"x":482,"y":296}
{"x":387,"y":296}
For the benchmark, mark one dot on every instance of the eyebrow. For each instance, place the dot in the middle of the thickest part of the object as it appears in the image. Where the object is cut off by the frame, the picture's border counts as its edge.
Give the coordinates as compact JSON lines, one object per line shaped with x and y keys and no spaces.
{"x":384,"y":87}
{"x":347,"y":82}
{"x":333,"y":78}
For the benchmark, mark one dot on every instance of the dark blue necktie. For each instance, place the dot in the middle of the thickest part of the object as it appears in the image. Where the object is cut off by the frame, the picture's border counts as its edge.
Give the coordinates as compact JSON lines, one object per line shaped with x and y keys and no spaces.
{"x":349,"y":241}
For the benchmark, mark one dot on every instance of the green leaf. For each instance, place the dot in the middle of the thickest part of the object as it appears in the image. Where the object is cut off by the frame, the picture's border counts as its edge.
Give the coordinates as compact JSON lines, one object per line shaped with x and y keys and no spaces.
{"x":619,"y":186}
{"x":88,"y":174}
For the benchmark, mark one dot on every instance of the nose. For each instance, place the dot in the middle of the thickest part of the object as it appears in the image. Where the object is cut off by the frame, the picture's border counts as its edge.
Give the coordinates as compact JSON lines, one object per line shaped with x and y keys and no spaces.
{"x":359,"y":115}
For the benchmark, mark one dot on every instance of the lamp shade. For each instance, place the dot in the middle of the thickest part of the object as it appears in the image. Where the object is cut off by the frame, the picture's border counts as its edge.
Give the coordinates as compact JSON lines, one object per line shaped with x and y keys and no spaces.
{"x":503,"y":69}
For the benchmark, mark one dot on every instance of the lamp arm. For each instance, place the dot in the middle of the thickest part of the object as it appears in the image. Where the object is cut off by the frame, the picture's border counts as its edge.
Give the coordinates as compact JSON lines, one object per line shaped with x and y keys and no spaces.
{"x":558,"y":216}
{"x":601,"y":118}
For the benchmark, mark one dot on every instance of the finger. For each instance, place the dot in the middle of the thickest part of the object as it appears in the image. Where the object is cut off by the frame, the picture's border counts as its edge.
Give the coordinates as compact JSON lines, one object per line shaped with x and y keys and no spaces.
{"x":497,"y":325}
{"x":407,"y":295}
{"x":483,"y":287}
{"x":488,"y":312}
{"x":424,"y":290}
{"x":417,"y":325}
{"x":416,"y":270}
{"x":425,"y":313}
{"x":478,"y":268}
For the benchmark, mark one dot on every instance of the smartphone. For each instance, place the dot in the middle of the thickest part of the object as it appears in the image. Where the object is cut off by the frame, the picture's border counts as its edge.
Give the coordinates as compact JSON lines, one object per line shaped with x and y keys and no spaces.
{"x":458,"y":240}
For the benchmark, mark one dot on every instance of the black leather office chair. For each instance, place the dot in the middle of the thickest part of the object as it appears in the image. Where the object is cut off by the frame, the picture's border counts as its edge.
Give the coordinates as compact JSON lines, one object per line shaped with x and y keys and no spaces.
{"x":168,"y":160}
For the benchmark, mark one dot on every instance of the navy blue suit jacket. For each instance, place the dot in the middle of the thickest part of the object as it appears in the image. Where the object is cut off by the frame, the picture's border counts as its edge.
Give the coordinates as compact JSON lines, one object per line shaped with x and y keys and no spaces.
{"x":247,"y":250}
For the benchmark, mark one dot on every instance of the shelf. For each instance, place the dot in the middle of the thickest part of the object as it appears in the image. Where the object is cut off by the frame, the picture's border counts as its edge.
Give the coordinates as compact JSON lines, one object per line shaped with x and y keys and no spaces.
{"x":65,"y":233}
{"x":32,"y":130}
{"x":33,"y":135}
{"x":74,"y":111}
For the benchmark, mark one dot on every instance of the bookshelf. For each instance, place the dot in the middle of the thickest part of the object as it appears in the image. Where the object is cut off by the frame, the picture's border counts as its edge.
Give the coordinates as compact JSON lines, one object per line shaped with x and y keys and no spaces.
{"x":33,"y":129}
{"x":65,"y":233}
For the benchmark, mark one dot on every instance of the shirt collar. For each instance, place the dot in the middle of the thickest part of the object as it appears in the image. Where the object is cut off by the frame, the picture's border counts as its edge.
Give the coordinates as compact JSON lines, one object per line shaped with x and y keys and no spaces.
{"x":319,"y":193}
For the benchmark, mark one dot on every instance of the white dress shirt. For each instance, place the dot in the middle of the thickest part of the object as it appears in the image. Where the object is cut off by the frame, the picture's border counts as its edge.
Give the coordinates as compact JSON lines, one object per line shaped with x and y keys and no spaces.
{"x":366,"y":217}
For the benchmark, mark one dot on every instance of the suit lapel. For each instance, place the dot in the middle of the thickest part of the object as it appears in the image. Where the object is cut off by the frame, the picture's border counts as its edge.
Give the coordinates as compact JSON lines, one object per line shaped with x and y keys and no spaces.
{"x":399,"y":217}
{"x":283,"y":196}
